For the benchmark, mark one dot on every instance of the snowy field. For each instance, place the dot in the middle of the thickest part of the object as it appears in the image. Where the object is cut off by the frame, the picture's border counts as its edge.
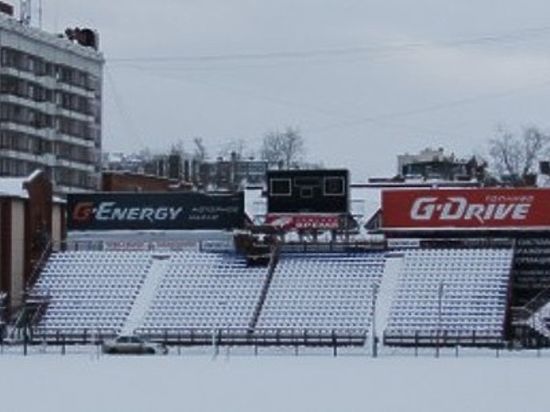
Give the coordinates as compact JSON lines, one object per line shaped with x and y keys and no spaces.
{"x":84,"y":381}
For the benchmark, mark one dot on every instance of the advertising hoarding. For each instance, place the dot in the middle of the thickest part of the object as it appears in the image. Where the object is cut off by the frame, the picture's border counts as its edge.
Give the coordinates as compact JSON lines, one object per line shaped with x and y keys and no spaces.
{"x":304,"y":221}
{"x":154,"y":211}
{"x":482,"y":209}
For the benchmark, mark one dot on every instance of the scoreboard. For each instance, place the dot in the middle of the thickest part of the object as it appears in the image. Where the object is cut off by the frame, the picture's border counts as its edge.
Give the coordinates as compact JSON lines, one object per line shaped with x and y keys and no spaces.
{"x":296,"y":192}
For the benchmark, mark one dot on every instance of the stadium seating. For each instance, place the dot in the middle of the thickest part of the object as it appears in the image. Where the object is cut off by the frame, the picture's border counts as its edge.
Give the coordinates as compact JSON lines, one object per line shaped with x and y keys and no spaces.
{"x":90,"y":290}
{"x":322,"y":292}
{"x":451,"y":291}
{"x":205,"y":291}
{"x":439,"y":291}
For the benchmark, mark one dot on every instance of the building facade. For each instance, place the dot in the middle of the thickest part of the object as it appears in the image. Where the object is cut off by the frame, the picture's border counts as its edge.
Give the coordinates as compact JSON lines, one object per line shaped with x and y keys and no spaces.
{"x":32,"y":221}
{"x":232,"y":174}
{"x":185,"y":172}
{"x":432,"y":164}
{"x":50,"y":105}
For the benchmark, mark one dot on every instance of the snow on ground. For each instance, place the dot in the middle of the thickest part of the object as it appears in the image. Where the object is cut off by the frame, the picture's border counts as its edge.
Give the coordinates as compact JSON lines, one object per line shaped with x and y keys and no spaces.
{"x":273,"y":383}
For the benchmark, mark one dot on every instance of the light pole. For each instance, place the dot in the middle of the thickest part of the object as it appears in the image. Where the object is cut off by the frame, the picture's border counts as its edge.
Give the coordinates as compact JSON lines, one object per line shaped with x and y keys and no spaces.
{"x":374,"y":337}
{"x":440,"y":292}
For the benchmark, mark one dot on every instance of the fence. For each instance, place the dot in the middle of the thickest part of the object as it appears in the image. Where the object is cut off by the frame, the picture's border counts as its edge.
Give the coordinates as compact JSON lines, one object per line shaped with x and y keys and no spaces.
{"x":206,"y":336}
{"x":443,"y":338}
{"x":279,"y":341}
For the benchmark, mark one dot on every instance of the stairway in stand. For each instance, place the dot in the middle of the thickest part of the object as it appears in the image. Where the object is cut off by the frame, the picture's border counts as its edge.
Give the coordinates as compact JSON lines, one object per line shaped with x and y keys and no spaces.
{"x":146,"y":294}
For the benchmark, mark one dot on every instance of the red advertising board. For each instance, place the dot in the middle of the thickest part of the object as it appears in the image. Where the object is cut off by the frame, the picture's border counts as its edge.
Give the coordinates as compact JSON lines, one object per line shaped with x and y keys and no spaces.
{"x":303,"y":221}
{"x":466,"y":209}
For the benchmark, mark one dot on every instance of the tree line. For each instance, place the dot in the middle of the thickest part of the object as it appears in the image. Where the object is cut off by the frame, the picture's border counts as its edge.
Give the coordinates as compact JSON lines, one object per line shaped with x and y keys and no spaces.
{"x":510,"y":158}
{"x":514,"y":158}
{"x":283,"y":149}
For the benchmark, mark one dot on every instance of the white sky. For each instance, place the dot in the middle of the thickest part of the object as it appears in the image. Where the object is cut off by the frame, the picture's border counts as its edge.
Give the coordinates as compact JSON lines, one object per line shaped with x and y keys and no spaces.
{"x":363,"y":80}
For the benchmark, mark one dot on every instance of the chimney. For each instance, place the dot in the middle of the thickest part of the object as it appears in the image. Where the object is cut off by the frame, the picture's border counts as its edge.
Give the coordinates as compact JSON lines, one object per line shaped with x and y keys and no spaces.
{"x":6,"y":8}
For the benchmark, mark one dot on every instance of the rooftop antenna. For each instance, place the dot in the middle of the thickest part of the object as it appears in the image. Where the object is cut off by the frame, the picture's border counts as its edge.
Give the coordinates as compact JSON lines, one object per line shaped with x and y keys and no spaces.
{"x":40,"y":14}
{"x":25,"y":11}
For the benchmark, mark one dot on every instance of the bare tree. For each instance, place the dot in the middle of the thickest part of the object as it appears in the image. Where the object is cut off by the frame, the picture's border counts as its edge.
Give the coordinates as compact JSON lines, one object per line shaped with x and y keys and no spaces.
{"x":514,"y":157}
{"x":200,"y":153}
{"x":236,"y":147}
{"x":285,"y":149}
{"x":178,"y":148}
{"x":146,"y":153}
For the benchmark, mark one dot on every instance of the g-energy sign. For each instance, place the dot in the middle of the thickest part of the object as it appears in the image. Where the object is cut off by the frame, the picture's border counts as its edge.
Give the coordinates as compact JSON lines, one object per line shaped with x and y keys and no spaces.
{"x":466,"y":208}
{"x":154,"y":211}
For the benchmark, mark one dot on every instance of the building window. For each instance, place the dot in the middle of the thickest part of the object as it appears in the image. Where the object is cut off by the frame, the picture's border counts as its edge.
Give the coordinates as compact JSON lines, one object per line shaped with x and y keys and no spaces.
{"x":280,"y":187}
{"x":334,"y":186}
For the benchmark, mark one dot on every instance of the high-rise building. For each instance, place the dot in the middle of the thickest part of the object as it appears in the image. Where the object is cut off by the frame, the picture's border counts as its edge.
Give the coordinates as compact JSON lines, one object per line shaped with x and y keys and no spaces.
{"x":50,"y":104}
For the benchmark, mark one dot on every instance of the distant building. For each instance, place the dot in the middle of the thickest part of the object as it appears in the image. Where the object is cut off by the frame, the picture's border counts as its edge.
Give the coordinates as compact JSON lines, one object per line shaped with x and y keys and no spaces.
{"x":50,"y":104}
{"x":232,"y":174}
{"x":432,"y":164}
{"x":174,"y":166}
{"x":184,"y":171}
{"x":119,"y":181}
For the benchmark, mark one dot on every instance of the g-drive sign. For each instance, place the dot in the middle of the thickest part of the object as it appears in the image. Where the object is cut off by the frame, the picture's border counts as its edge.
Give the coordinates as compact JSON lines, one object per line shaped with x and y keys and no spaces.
{"x":466,"y":208}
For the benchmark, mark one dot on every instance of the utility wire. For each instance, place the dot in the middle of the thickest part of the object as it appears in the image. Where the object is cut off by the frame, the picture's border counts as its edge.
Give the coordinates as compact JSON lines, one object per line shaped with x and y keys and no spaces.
{"x":140,"y":63}
{"x":436,"y":107}
{"x":281,"y":102}
{"x":513,"y":36}
{"x":352,"y":120}
{"x":132,"y":131}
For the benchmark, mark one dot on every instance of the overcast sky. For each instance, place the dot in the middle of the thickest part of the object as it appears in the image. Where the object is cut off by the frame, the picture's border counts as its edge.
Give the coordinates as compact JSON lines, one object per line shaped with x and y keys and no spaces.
{"x":363,"y":80}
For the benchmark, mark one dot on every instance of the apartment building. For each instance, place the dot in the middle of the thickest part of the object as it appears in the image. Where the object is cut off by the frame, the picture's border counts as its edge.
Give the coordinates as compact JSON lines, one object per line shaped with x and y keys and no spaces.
{"x":50,"y":104}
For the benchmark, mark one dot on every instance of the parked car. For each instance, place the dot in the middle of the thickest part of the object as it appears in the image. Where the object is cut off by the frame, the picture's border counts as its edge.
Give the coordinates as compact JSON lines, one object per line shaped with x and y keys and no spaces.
{"x":132,"y":345}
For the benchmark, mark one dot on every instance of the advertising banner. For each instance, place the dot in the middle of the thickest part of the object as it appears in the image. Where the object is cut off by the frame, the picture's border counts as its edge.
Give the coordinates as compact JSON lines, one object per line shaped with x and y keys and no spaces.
{"x":154,"y":211}
{"x":304,"y":221}
{"x":482,"y":209}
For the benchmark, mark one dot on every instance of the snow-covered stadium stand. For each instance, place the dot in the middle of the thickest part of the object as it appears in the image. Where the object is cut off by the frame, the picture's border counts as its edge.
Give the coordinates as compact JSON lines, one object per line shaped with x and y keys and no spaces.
{"x":190,"y":295}
{"x":90,"y":290}
{"x":450,"y":293}
{"x":323,"y":292}
{"x":205,"y":291}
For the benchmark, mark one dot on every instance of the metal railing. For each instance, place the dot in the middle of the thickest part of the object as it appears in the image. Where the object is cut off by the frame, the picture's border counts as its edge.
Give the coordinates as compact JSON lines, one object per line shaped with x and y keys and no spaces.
{"x":38,"y":266}
{"x":208,"y":336}
{"x":444,"y":338}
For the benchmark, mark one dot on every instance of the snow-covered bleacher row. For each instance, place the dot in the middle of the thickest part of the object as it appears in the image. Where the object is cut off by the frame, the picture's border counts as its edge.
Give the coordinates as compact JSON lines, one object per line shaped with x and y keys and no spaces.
{"x":205,"y":291}
{"x":91,"y":290}
{"x":322,"y":292}
{"x":453,"y":291}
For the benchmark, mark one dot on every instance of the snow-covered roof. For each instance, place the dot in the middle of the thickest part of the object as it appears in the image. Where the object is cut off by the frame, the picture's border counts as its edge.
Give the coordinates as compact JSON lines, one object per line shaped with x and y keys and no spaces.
{"x":13,"y":187}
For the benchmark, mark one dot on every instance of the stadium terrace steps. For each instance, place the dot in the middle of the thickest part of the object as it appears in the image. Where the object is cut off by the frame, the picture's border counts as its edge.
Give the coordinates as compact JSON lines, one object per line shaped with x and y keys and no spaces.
{"x":388,"y":287}
{"x":540,"y":321}
{"x":272,"y":266}
{"x":146,"y":294}
{"x":454,"y":292}
{"x":324,"y":292}
{"x":90,"y":290}
{"x":310,"y":293}
{"x":205,"y":291}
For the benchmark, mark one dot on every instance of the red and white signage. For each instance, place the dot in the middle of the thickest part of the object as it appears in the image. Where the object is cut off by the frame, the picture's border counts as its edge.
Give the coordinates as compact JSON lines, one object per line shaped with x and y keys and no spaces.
{"x":466,"y":209}
{"x":303,"y":221}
